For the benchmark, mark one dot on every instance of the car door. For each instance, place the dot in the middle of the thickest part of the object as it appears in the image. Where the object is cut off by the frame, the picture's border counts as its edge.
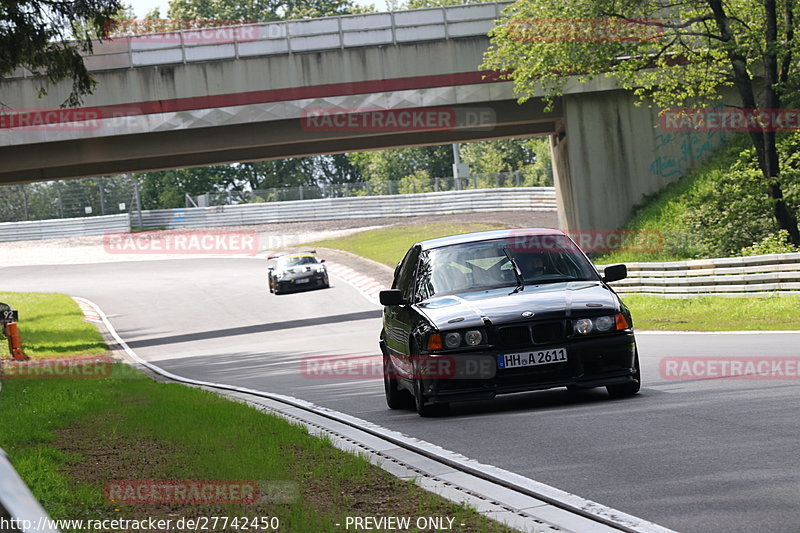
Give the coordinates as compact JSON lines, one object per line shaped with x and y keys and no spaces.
{"x":400,"y":319}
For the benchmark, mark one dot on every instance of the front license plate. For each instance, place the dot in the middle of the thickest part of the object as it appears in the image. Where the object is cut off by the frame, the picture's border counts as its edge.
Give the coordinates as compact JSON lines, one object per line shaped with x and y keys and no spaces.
{"x":301,"y":280}
{"x":535,"y":358}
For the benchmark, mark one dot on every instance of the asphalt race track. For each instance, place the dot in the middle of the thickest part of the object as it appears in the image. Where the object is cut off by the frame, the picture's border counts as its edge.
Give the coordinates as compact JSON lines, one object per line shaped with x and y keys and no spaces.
{"x":705,"y":455}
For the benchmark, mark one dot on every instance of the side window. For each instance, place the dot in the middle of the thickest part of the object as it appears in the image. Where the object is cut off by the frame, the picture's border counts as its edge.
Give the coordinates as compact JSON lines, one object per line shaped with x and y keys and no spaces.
{"x":405,"y":275}
{"x":424,"y":288}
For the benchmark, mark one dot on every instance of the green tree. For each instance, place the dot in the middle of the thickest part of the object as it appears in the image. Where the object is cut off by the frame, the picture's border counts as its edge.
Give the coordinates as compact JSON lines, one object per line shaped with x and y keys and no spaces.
{"x":167,"y":188}
{"x":381,"y":166}
{"x":419,"y":4}
{"x":261,"y":10}
{"x":672,"y":53}
{"x":49,"y":36}
{"x":419,"y":181}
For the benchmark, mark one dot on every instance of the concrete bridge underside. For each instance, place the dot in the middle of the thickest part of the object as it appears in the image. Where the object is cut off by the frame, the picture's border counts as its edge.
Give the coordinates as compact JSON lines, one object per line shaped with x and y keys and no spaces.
{"x":249,"y":141}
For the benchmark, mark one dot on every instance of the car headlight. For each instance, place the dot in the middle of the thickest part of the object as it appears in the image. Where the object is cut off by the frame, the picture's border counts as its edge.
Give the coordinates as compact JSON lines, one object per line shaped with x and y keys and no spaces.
{"x":456,"y":339}
{"x":600,"y":324}
{"x":452,"y":339}
{"x":582,"y":326}
{"x":473,"y":337}
{"x":604,"y":323}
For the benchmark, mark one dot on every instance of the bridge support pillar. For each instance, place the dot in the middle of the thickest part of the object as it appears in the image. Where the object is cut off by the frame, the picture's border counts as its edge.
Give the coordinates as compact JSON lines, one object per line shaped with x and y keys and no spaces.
{"x":612,"y":153}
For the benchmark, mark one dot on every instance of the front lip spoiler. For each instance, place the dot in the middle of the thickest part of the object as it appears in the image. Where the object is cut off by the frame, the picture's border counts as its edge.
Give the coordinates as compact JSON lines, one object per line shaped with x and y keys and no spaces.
{"x":488,"y":393}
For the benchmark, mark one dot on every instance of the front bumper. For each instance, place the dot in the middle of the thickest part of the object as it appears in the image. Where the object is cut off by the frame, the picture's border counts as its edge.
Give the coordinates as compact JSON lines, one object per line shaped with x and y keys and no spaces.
{"x":591,"y":362}
{"x":310,"y":281}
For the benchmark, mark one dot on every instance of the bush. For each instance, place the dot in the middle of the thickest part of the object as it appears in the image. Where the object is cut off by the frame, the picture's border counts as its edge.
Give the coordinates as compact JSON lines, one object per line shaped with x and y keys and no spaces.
{"x":730,"y":209}
{"x":417,"y":182}
{"x":720,"y":208}
{"x":776,"y":243}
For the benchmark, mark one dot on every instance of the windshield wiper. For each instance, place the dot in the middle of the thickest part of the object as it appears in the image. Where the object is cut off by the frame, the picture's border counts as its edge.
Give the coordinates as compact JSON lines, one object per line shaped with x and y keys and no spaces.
{"x":517,"y":272}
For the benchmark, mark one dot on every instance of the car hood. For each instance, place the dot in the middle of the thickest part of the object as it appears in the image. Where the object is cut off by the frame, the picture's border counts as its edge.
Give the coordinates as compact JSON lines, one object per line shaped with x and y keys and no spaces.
{"x":547,"y":301}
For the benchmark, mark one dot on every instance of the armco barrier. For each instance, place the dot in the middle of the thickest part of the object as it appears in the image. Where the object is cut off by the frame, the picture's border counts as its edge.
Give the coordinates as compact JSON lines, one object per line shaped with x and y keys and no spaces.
{"x":18,"y":504}
{"x":63,"y":227}
{"x":760,"y":275}
{"x":399,"y":205}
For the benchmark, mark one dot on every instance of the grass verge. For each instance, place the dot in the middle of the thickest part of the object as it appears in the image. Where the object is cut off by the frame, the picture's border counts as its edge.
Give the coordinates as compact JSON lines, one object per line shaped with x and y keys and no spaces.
{"x":665,"y":212}
{"x":70,"y":437}
{"x":389,"y":245}
{"x":52,"y":325}
{"x":714,"y":313}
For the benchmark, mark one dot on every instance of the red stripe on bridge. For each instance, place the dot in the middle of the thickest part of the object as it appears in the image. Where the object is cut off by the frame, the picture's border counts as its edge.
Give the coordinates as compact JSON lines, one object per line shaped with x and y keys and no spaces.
{"x":38,"y":117}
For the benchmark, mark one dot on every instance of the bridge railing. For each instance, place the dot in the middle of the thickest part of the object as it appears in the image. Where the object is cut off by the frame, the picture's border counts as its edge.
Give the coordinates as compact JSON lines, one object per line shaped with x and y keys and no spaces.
{"x":292,"y":36}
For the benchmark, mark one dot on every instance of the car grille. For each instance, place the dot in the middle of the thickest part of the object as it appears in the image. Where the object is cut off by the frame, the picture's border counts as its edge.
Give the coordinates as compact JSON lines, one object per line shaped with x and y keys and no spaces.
{"x":520,"y":336}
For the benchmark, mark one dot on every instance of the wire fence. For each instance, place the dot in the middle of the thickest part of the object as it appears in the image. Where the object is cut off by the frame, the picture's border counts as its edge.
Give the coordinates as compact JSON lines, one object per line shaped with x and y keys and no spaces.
{"x":68,"y":199}
{"x":90,"y":197}
{"x":409,"y":185}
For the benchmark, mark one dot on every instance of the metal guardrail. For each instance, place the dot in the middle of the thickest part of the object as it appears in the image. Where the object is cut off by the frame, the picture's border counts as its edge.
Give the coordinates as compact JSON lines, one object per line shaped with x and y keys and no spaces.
{"x":293,"y":36}
{"x":18,"y":507}
{"x":362,"y":188}
{"x":761,"y":275}
{"x":63,"y":227}
{"x":400,"y":205}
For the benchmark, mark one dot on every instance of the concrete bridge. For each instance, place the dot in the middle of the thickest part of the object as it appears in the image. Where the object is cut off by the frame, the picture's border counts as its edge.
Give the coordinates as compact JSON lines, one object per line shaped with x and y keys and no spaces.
{"x":337,"y":84}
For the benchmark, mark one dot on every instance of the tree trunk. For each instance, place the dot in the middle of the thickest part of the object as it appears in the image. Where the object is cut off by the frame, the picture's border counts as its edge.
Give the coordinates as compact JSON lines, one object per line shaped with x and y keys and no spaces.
{"x":771,"y":168}
{"x":764,"y":141}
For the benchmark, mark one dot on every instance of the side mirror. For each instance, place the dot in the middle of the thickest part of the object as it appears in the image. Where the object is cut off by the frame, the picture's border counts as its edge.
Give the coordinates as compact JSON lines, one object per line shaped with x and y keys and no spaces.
{"x":392,"y":297}
{"x":615,"y":273}
{"x":321,"y":260}
{"x":270,"y":268}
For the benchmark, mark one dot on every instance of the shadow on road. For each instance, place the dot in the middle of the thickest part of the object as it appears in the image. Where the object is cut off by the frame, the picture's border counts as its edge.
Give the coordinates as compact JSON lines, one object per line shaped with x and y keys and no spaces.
{"x":257,"y":328}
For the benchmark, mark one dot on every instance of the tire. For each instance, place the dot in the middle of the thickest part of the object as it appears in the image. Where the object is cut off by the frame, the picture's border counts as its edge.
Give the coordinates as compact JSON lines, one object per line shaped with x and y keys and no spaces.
{"x":627,"y":390}
{"x":437,"y":409}
{"x":395,"y":398}
{"x":422,"y":409}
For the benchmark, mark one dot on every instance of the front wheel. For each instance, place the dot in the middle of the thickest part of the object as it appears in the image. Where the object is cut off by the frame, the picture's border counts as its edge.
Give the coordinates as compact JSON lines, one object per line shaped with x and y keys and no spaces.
{"x":437,"y":409}
{"x":627,"y":389}
{"x":395,"y":398}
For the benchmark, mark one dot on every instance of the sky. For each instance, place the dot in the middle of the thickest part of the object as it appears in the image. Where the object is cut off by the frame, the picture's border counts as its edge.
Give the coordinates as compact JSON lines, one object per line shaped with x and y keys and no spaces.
{"x":142,"y":7}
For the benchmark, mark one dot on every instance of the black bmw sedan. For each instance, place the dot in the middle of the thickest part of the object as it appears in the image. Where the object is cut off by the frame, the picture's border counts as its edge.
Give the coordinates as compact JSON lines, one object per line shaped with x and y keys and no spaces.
{"x":472,"y":316}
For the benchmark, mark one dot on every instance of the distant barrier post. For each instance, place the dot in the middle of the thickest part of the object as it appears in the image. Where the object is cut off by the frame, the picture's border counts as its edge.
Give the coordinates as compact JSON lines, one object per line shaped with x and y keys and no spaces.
{"x":9,"y":318}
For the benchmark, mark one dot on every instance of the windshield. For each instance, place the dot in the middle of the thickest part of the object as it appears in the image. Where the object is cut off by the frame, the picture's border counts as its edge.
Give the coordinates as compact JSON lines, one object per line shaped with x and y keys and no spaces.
{"x":486,"y":265}
{"x":288,"y":262}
